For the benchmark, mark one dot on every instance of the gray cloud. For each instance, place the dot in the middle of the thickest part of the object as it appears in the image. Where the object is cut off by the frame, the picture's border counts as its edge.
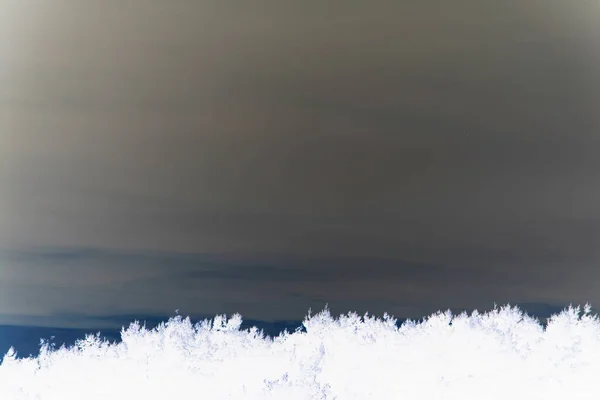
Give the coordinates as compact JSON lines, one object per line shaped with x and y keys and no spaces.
{"x":461,"y":136}
{"x":89,"y":288}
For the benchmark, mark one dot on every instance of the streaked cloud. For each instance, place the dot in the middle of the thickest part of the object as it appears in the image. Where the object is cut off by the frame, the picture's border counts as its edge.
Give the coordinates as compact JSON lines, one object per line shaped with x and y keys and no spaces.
{"x":365,"y":150}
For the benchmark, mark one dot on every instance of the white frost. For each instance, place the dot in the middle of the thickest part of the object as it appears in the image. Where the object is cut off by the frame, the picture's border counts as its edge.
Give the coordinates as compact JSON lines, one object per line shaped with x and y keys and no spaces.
{"x":499,"y":355}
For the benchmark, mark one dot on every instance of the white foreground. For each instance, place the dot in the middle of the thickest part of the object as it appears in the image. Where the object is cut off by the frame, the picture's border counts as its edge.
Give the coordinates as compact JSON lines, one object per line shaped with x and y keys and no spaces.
{"x":499,"y":355}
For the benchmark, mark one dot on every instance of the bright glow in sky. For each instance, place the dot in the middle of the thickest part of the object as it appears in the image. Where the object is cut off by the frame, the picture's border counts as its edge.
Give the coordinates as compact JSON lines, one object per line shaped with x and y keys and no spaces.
{"x":502,"y":354}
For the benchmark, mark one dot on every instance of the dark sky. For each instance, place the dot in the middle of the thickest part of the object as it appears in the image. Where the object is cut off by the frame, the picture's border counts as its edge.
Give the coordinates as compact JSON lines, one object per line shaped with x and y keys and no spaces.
{"x":264,"y":158}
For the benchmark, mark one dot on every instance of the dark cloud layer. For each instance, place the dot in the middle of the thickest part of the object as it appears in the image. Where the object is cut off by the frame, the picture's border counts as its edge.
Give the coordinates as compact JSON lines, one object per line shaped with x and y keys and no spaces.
{"x":446,"y":151}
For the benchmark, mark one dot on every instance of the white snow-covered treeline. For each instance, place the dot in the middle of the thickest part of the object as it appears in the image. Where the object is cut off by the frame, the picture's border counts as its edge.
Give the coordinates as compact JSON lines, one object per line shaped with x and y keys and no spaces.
{"x":502,"y":354}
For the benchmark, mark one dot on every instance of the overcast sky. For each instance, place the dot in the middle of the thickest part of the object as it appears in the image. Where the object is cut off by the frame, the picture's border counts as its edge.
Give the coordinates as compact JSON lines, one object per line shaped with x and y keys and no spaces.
{"x":220,"y":156}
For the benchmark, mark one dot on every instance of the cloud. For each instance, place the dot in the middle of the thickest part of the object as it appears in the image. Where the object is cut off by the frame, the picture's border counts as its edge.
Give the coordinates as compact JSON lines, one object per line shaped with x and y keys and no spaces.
{"x":458,"y":140}
{"x":79,"y":287}
{"x":244,"y":130}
